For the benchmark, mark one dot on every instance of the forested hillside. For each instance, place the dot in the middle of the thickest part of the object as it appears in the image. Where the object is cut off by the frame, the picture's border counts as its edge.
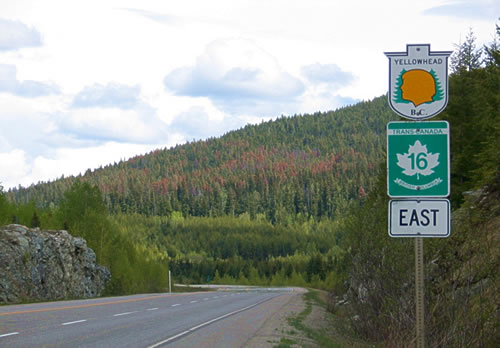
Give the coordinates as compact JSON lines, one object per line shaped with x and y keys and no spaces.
{"x":256,"y":205}
{"x":311,"y":165}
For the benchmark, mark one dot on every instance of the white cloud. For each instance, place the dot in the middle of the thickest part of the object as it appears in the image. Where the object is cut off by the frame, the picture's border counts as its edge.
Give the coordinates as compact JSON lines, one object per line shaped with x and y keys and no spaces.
{"x":28,"y":88}
{"x":24,"y":128}
{"x":17,"y":169}
{"x":322,"y":99}
{"x":110,"y":95}
{"x":476,"y":9}
{"x":196,"y":123}
{"x":139,"y":125}
{"x":15,"y":35}
{"x":14,"y":169}
{"x":75,"y":161}
{"x":330,"y":74}
{"x":37,"y":145}
{"x":237,"y":76}
{"x":155,"y":16}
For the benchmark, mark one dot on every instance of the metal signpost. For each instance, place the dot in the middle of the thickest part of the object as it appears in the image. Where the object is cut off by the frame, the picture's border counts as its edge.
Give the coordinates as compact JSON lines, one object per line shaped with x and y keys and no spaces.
{"x":169,"y":282}
{"x":419,"y":292}
{"x":418,"y":156}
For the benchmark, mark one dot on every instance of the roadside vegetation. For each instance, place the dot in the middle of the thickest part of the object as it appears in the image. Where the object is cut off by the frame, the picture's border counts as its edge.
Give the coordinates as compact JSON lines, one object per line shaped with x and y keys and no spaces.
{"x":317,"y":324}
{"x":134,"y":268}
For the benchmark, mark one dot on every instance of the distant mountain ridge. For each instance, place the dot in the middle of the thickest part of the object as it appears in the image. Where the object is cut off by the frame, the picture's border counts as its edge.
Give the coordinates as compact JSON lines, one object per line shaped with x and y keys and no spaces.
{"x":311,"y":165}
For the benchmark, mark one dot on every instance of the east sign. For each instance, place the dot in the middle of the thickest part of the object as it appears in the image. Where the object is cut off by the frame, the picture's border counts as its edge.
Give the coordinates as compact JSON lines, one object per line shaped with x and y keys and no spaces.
{"x":419,"y":218}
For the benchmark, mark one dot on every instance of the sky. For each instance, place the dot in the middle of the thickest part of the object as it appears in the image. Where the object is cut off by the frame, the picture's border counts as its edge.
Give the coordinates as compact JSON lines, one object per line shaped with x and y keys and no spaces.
{"x":84,"y":84}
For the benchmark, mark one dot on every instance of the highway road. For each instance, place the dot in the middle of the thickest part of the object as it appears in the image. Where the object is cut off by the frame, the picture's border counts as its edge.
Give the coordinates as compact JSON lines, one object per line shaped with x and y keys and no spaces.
{"x":201,"y":319}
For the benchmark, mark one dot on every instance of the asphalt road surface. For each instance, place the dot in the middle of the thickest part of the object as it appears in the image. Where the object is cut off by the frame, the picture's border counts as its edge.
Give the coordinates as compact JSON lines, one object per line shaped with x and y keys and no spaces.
{"x":201,"y":319}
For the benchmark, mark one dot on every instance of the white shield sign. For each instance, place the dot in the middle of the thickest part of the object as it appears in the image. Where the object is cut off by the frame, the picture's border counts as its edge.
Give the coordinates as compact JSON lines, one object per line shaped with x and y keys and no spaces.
{"x":418,"y":81}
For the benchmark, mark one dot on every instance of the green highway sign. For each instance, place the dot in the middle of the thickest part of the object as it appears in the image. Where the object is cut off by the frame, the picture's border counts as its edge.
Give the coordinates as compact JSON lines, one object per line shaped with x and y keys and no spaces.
{"x":418,"y":159}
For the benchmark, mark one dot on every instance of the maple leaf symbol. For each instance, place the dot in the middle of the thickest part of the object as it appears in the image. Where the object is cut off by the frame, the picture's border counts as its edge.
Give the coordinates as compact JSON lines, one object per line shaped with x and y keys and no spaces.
{"x":418,"y":160}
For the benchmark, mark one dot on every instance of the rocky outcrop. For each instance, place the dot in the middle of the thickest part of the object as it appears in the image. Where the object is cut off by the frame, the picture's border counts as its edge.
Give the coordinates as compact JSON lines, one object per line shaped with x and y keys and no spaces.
{"x":47,"y":265}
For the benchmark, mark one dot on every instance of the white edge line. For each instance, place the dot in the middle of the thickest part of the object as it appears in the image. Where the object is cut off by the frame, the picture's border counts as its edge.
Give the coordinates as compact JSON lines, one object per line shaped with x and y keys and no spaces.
{"x":206,"y":323}
{"x":74,"y":322}
{"x":9,"y":334}
{"x":169,"y":339}
{"x":120,"y":314}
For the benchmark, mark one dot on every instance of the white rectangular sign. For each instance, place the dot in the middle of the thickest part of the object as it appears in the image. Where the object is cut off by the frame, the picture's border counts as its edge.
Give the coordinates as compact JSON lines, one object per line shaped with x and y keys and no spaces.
{"x":419,"y":218}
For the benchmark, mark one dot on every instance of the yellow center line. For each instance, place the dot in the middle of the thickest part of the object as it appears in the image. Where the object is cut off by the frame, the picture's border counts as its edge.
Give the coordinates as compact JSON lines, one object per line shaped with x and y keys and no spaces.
{"x":94,"y":304}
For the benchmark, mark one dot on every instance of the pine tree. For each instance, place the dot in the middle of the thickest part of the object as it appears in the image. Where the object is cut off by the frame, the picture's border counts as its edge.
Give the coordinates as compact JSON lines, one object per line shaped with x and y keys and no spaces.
{"x":35,"y":220}
{"x":493,"y":51}
{"x":466,"y":56}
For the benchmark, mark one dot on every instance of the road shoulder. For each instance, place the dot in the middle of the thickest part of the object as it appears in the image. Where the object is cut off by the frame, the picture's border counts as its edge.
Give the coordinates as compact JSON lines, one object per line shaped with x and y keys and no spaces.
{"x":304,"y":321}
{"x":277,"y":327}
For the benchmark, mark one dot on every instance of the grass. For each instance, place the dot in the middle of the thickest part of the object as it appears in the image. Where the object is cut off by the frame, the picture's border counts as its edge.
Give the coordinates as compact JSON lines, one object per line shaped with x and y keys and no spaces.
{"x":336,"y":337}
{"x":318,"y":335}
{"x":285,"y":343}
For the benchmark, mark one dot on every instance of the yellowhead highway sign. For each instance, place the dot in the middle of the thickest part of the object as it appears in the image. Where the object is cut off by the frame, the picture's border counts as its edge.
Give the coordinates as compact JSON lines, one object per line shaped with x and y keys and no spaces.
{"x":418,"y":81}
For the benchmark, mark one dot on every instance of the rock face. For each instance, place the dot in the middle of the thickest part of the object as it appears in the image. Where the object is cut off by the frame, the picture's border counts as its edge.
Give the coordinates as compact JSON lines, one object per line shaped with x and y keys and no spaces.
{"x":47,"y":265}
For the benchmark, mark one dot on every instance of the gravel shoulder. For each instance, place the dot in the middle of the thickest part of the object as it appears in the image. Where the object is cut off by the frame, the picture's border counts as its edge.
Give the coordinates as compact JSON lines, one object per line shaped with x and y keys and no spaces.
{"x":303,"y":321}
{"x":277,"y":326}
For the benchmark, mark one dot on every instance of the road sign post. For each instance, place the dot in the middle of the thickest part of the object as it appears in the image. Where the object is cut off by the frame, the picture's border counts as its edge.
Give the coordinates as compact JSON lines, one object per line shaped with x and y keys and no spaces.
{"x":418,"y":155}
{"x":419,"y":291}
